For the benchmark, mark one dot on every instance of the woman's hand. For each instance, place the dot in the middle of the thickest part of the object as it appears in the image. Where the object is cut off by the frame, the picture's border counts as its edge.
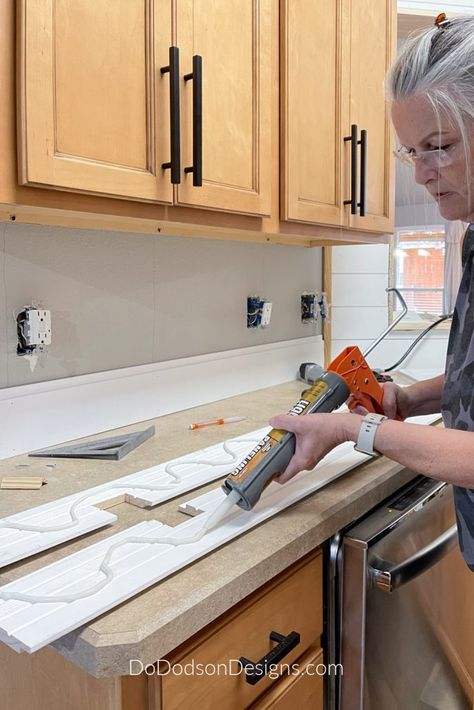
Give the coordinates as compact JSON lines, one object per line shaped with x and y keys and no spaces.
{"x":396,"y":401}
{"x":316,"y":435}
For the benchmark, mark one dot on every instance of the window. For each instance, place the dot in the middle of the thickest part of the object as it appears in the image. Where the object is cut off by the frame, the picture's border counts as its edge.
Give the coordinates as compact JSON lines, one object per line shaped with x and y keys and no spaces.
{"x":418,"y":270}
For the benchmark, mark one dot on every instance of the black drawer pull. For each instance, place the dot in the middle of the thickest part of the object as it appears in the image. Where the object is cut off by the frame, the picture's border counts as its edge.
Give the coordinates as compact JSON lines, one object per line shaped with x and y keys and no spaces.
{"x":196,"y":76}
{"x":353,"y":139}
{"x":363,"y":172}
{"x":255,"y":671}
{"x":175,"y":149}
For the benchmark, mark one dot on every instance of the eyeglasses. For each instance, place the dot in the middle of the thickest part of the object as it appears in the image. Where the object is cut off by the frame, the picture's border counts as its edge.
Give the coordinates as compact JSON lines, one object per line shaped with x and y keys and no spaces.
{"x":437,"y":158}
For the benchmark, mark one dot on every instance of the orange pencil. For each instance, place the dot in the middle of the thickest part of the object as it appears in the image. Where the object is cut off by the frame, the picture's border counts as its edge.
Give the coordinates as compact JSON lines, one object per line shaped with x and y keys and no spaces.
{"x":226,"y":420}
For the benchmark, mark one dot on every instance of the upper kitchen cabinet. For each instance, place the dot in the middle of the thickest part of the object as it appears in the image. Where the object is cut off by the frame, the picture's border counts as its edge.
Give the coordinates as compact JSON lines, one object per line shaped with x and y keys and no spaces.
{"x":227,"y":119}
{"x":311,"y":110}
{"x":233,"y":40}
{"x":337,"y":166}
{"x":103,"y":85}
{"x":373,"y":26}
{"x":94,"y":107}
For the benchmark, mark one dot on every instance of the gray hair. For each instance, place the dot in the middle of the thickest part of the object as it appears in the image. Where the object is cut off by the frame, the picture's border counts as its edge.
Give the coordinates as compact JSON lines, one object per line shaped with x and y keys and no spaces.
{"x":438,"y":63}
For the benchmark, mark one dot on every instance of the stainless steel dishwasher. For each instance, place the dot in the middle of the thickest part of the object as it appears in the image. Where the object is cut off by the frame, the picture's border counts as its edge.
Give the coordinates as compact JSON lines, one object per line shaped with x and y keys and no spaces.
{"x":379,"y":623}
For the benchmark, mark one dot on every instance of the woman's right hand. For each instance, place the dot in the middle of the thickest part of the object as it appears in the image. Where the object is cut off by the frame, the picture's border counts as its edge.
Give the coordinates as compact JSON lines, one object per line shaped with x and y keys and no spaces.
{"x":396,"y":401}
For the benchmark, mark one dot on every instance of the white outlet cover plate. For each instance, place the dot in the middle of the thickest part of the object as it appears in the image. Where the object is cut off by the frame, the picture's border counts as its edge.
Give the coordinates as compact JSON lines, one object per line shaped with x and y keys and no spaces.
{"x":266,"y":314}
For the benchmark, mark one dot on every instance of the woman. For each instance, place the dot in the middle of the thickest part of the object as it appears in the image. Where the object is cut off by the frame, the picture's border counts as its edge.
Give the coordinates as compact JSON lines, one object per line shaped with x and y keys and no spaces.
{"x":431,"y":87}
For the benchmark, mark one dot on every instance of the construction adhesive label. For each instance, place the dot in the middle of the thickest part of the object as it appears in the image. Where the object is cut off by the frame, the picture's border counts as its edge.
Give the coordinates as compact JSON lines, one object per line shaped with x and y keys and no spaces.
{"x":258,"y":453}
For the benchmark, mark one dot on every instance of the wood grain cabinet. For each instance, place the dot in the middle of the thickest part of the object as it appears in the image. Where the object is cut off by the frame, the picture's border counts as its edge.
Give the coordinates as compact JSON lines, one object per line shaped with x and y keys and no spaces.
{"x":95,"y":103}
{"x":291,"y":603}
{"x":252,"y":103}
{"x":334,"y":59}
{"x":451,"y":614}
{"x":204,"y":672}
{"x":234,"y":40}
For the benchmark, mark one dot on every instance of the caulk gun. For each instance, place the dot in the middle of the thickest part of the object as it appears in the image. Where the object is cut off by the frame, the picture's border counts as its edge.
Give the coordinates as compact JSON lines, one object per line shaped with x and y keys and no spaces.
{"x":348,"y":374}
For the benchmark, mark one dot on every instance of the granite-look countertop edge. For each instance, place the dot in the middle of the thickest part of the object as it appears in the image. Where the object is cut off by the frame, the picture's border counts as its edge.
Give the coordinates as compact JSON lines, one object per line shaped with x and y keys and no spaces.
{"x":158,"y":620}
{"x":109,"y":654}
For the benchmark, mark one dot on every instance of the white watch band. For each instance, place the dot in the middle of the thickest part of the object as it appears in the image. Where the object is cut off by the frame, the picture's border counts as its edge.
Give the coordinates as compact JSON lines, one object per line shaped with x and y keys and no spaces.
{"x":367,"y":432}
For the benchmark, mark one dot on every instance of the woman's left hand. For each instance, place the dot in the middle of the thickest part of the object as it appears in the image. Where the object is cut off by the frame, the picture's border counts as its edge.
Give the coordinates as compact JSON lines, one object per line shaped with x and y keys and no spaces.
{"x":316,"y":435}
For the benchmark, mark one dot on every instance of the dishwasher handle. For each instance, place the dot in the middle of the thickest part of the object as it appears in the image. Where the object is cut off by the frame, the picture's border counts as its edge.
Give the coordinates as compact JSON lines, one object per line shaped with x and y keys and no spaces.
{"x":388,"y":576}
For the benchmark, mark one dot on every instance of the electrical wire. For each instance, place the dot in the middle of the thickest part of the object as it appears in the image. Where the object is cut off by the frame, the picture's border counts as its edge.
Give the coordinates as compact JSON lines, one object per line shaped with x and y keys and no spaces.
{"x":417,"y":340}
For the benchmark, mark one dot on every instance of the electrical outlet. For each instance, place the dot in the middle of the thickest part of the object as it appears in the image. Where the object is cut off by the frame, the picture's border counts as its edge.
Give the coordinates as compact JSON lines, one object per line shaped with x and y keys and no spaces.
{"x":34,"y":330}
{"x":38,"y":328}
{"x":308,"y":313}
{"x":254,"y":311}
{"x":266,"y":314}
{"x":259,"y":312}
{"x":323,"y":306}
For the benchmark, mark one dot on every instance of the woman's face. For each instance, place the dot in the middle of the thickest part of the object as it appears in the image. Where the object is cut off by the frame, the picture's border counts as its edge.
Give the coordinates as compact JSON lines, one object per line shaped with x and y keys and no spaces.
{"x":420,"y":129}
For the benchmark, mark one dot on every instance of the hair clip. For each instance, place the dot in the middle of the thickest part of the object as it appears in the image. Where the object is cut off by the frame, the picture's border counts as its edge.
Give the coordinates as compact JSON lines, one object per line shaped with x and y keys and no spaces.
{"x":442,"y":21}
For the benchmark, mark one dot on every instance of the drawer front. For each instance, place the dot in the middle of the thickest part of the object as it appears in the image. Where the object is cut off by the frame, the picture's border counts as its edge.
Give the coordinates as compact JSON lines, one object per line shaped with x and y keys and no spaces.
{"x":303,"y":690}
{"x":206,"y":675}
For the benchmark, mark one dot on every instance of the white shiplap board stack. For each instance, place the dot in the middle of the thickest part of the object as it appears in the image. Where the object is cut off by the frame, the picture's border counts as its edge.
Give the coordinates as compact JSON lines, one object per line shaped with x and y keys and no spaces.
{"x":29,"y":626}
{"x":18,"y":544}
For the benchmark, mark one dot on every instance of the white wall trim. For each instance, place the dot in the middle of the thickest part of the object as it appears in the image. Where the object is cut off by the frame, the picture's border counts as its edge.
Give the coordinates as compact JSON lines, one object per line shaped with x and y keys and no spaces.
{"x":49,"y":413}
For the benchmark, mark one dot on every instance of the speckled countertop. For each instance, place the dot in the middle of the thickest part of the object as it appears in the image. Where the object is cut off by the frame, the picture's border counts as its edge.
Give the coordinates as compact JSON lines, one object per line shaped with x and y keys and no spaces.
{"x":156,"y":621}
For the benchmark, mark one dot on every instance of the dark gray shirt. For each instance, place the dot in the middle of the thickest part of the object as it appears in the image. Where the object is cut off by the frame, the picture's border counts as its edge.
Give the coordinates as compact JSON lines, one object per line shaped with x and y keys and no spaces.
{"x":457,"y":402}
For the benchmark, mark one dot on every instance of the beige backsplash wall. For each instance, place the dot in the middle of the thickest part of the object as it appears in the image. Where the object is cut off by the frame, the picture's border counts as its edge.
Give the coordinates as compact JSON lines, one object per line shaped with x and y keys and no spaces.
{"x":121,"y":299}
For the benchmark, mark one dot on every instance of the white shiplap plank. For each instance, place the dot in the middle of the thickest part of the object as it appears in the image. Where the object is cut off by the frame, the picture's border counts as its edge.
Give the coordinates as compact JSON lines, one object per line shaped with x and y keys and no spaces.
{"x":358,"y":323}
{"x":357,"y":290}
{"x":361,"y":259}
{"x":137,"y":488}
{"x":29,"y":626}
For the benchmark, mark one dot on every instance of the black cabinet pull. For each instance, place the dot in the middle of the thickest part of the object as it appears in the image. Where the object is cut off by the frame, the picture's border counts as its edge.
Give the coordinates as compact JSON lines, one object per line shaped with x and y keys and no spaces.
{"x":175,"y":160}
{"x":255,"y":671}
{"x":363,"y":172}
{"x":353,"y":138}
{"x":196,"y":76}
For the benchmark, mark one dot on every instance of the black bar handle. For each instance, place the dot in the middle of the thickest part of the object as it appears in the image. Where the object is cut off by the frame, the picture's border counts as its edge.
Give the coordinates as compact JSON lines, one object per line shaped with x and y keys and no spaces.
{"x":175,"y":147}
{"x":363,"y":172}
{"x":196,"y":76}
{"x":353,"y":138}
{"x":255,"y":671}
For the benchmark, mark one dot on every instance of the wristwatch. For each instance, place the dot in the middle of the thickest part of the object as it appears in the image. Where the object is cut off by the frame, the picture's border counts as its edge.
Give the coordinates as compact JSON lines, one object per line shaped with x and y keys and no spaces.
{"x":367,"y":432}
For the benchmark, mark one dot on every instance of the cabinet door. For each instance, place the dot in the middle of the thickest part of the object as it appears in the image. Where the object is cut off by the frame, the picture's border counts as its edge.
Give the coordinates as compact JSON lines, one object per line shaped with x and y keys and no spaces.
{"x":373,"y":42}
{"x":293,"y":603}
{"x":303,"y":688}
{"x":451,"y":613}
{"x":313,"y":108}
{"x":234,"y":40}
{"x":94,"y":106}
